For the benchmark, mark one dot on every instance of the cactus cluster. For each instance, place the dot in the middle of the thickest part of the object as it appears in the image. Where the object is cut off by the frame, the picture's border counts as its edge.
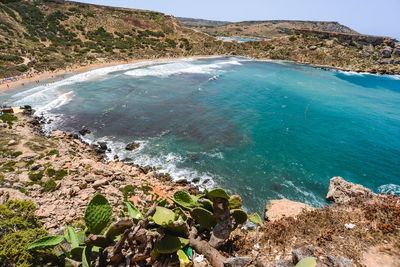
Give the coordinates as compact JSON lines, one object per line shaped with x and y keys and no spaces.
{"x":164,"y":227}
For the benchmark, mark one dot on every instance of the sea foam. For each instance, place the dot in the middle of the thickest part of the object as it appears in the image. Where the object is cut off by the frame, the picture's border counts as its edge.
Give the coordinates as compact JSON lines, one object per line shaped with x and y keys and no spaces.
{"x":166,"y":70}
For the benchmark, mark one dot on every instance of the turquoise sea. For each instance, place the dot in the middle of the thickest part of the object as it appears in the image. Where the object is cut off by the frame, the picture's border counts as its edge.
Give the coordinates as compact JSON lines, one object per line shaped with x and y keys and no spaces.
{"x":265,"y":130}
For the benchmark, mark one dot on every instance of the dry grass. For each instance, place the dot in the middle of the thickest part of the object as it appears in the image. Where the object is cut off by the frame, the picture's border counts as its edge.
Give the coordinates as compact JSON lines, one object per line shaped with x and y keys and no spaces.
{"x":376,"y":220}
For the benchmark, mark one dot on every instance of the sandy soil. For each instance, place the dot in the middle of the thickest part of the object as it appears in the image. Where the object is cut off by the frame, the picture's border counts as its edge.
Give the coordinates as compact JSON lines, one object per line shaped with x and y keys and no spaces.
{"x":77,"y":69}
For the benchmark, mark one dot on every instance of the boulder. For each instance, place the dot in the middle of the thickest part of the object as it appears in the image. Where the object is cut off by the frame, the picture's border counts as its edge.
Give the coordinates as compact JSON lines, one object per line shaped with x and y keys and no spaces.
{"x":84,"y":131}
{"x":301,"y":253}
{"x":8,"y":193}
{"x":277,"y":209}
{"x":333,"y":261}
{"x":396,"y":51}
{"x":27,"y":157}
{"x":341,"y":191}
{"x":387,"y":52}
{"x":12,"y":143}
{"x":132,"y":146}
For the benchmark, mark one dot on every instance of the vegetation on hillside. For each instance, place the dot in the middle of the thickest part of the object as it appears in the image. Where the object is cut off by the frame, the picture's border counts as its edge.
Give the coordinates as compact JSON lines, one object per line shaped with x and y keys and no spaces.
{"x":261,"y":29}
{"x":48,"y":36}
{"x":42,"y":35}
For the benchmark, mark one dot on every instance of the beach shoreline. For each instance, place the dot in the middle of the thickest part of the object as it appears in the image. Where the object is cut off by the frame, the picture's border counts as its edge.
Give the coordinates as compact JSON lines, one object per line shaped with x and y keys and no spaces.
{"x":79,"y":69}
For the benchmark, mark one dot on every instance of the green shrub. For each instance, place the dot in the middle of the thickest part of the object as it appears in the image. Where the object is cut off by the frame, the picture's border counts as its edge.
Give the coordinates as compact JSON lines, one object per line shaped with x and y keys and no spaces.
{"x":8,"y":167}
{"x":9,"y":119}
{"x":35,"y":177}
{"x":50,"y":185}
{"x":292,"y":38}
{"x":60,"y":174}
{"x":12,"y":58}
{"x":19,"y":227}
{"x":53,"y":152}
{"x":22,"y":68}
{"x":50,"y":172}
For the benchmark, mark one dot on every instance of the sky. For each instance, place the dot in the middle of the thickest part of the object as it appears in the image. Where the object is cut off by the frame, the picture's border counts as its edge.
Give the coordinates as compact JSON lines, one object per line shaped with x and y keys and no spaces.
{"x":376,"y":17}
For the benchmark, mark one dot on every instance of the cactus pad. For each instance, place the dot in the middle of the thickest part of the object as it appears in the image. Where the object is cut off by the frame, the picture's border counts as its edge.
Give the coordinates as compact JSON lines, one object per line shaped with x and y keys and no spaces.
{"x":206,"y":204}
{"x":185,"y":200}
{"x":235,"y":202}
{"x":217,"y":192}
{"x":255,"y":218}
{"x":163,"y":216}
{"x":170,"y":244}
{"x":240,"y":216}
{"x":203,"y":217}
{"x":72,"y":237}
{"x":98,"y":214}
{"x":47,"y":242}
{"x":133,"y":212}
{"x":183,"y":259}
{"x":307,"y":262}
{"x":180,"y":214}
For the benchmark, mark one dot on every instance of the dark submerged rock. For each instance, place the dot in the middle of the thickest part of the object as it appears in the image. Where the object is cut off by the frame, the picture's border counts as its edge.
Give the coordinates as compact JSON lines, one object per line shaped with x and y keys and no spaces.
{"x":132,"y":146}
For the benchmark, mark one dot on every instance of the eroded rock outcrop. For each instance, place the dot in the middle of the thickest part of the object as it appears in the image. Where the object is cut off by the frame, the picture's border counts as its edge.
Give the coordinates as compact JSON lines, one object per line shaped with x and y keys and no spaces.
{"x":341,"y":191}
{"x":277,"y":209}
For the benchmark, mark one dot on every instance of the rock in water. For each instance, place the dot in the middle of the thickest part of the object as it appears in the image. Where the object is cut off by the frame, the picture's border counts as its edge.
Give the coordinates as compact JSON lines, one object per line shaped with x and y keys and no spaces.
{"x":84,"y":131}
{"x":277,"y":209}
{"x":132,"y":146}
{"x":341,"y":191}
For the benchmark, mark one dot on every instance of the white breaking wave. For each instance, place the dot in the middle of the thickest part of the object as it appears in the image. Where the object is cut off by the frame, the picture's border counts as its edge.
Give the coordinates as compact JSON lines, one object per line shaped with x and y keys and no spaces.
{"x":308,"y":197}
{"x":43,"y":94}
{"x":389,"y":188}
{"x":180,"y":68}
{"x":56,"y":103}
{"x":167,"y":163}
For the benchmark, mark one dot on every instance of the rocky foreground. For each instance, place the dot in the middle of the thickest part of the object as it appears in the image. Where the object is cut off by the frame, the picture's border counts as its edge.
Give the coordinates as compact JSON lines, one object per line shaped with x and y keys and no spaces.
{"x":61,"y":174}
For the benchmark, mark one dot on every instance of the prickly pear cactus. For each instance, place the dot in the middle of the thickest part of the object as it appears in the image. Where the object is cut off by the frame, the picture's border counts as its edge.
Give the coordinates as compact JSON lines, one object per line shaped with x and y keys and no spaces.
{"x":217,"y":192}
{"x":255,"y":218}
{"x":206,"y":204}
{"x":180,"y":214}
{"x":235,"y":202}
{"x":240,"y":216}
{"x":183,"y":259}
{"x":133,"y":212}
{"x":170,"y":244}
{"x":47,"y":242}
{"x":164,"y":216}
{"x":98,"y":214}
{"x":307,"y":262}
{"x":203,"y":217}
{"x":185,"y":200}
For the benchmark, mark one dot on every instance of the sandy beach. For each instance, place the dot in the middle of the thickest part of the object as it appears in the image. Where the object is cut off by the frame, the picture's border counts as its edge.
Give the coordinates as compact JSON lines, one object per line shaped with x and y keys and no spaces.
{"x":77,"y":69}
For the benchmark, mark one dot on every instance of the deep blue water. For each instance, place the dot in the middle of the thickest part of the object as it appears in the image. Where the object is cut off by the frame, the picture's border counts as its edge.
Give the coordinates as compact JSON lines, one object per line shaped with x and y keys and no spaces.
{"x":265,"y":130}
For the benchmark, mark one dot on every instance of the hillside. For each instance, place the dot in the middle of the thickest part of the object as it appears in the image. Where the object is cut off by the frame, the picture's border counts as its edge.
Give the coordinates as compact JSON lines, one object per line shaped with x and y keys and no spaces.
{"x":47,"y":36}
{"x":261,"y":29}
{"x":190,"y":22}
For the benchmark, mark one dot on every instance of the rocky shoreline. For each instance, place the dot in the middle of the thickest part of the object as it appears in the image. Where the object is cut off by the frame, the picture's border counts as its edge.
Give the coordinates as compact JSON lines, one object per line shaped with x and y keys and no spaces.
{"x":80,"y":172}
